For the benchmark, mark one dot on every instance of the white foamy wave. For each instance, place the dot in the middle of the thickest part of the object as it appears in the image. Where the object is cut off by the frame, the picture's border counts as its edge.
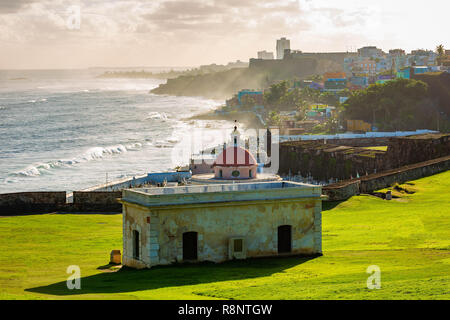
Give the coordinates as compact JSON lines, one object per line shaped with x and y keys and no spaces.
{"x":157,"y":116}
{"x":173,"y":139}
{"x":162,"y":144}
{"x":96,"y":153}
{"x":2,"y":108}
{"x":134,"y":146}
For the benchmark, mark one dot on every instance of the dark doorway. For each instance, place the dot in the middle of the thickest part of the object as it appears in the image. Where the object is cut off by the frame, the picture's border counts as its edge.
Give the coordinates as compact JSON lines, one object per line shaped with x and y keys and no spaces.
{"x":190,"y":246}
{"x":284,"y":239}
{"x":136,"y":244}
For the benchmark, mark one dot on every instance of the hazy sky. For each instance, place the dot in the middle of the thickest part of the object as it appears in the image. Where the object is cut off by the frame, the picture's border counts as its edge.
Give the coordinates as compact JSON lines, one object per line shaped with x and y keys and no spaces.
{"x":44,"y":33}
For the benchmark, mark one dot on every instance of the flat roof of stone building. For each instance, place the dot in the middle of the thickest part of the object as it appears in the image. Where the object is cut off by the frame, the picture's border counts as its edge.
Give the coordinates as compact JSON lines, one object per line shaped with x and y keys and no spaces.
{"x":197,"y":194}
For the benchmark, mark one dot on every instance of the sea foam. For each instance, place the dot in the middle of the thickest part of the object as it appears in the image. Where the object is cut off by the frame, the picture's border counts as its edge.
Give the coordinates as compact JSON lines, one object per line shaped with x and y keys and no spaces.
{"x":95,"y":153}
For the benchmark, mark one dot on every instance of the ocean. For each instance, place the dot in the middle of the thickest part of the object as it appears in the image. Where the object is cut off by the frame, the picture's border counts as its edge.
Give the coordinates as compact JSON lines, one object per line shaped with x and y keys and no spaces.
{"x":66,"y":130}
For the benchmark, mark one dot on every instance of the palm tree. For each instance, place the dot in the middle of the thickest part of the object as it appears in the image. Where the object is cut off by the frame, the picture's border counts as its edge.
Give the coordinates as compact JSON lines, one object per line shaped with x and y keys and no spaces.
{"x":441,"y":53}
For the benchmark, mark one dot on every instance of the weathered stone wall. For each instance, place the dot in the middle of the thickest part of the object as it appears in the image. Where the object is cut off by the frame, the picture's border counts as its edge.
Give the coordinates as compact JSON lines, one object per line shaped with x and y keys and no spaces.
{"x":95,"y":201}
{"x":404,"y":174}
{"x":41,"y":202}
{"x":161,"y":226}
{"x":136,"y":218}
{"x":325,"y":161}
{"x":342,"y":191}
{"x":30,"y":202}
{"x":367,"y":184}
{"x":414,"y":149}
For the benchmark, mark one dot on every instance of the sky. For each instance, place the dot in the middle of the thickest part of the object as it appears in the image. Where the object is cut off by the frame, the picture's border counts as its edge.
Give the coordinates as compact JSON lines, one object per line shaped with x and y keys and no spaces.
{"x":58,"y":34}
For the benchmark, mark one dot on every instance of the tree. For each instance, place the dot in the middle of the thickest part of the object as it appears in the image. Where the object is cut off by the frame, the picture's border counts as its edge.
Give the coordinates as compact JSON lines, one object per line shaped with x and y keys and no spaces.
{"x":274,"y":118}
{"x":441,"y":53}
{"x":276,"y":92}
{"x":248,"y":102}
{"x":394,"y":105}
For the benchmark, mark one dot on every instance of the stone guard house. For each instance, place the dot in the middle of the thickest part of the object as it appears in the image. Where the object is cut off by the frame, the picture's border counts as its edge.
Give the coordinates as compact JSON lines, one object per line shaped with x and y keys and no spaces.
{"x":220,"y":222}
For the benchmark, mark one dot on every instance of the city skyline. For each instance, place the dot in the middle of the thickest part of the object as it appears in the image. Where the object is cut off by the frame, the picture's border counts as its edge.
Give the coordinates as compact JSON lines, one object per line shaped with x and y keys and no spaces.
{"x":125,"y":33}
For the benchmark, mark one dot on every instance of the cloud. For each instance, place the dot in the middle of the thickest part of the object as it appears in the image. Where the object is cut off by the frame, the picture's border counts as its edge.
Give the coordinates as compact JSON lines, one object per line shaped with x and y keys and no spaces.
{"x":189,"y":32}
{"x":12,"y":6}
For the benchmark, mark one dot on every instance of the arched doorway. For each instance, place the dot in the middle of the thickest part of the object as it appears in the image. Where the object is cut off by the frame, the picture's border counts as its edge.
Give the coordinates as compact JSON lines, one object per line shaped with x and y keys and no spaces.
{"x":190,"y":245}
{"x":284,"y":239}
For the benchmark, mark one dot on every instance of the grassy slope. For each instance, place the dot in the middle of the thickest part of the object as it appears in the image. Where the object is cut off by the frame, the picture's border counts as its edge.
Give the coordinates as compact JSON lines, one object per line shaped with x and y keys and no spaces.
{"x":408,"y":238}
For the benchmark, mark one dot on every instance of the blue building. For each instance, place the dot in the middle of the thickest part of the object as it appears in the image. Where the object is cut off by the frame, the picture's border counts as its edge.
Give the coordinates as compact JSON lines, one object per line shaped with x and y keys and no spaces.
{"x":361,"y":81}
{"x":408,"y":72}
{"x":257,"y":95}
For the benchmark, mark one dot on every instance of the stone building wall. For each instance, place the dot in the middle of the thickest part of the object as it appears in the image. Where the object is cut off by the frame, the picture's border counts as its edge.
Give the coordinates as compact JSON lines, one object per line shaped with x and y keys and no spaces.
{"x":161,"y":228}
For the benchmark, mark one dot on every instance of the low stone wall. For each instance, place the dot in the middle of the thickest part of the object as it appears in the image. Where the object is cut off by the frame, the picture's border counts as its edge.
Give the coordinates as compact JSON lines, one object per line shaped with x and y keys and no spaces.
{"x":367,"y":184}
{"x":43,"y":202}
{"x":340,"y":192}
{"x":31,"y":202}
{"x":96,"y":201}
{"x":404,"y":174}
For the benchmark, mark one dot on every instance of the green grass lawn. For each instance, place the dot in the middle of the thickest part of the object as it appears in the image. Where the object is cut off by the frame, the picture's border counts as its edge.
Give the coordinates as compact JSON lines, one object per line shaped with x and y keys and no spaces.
{"x":408,"y":238}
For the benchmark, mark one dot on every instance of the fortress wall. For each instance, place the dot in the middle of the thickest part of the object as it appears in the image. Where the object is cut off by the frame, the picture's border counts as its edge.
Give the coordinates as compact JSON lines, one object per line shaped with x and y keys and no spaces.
{"x":344,"y":159}
{"x":346,"y":189}
{"x":25,"y":202}
{"x":96,"y":201}
{"x":44,"y":202}
{"x":404,"y":174}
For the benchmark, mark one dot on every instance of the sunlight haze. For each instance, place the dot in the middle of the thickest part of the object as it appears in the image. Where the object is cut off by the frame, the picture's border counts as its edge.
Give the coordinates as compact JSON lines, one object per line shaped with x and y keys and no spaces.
{"x":124,"y":33}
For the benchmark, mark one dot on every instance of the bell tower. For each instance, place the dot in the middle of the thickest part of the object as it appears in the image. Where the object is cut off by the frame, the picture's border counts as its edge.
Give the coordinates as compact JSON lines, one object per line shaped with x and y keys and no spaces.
{"x":235,"y":135}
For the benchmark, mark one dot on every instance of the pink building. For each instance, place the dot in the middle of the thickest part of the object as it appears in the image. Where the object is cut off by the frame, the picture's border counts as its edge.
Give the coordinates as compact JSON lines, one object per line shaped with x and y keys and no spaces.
{"x":235,"y":163}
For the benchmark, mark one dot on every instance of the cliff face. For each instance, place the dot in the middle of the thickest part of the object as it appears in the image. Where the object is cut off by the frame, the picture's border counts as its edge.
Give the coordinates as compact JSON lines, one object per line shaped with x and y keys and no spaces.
{"x":260,"y":74}
{"x":217,"y":85}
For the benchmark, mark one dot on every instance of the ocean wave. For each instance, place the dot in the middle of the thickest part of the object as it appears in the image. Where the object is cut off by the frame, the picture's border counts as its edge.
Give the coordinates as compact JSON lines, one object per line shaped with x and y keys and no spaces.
{"x":96,"y":153}
{"x":163,"y":144}
{"x":154,"y":115}
{"x":134,"y":146}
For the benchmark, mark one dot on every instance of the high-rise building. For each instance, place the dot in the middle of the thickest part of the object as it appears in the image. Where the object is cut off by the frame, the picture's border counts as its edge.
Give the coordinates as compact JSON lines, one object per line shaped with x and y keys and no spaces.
{"x":282,"y":44}
{"x":265,"y":55}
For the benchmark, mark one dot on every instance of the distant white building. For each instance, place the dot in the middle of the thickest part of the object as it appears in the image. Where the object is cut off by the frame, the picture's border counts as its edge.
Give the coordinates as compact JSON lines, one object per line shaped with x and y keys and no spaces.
{"x":264,"y":55}
{"x":282,"y":44}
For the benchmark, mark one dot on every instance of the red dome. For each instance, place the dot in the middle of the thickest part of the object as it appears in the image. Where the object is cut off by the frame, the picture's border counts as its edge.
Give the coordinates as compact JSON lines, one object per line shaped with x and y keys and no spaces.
{"x":235,"y":157}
